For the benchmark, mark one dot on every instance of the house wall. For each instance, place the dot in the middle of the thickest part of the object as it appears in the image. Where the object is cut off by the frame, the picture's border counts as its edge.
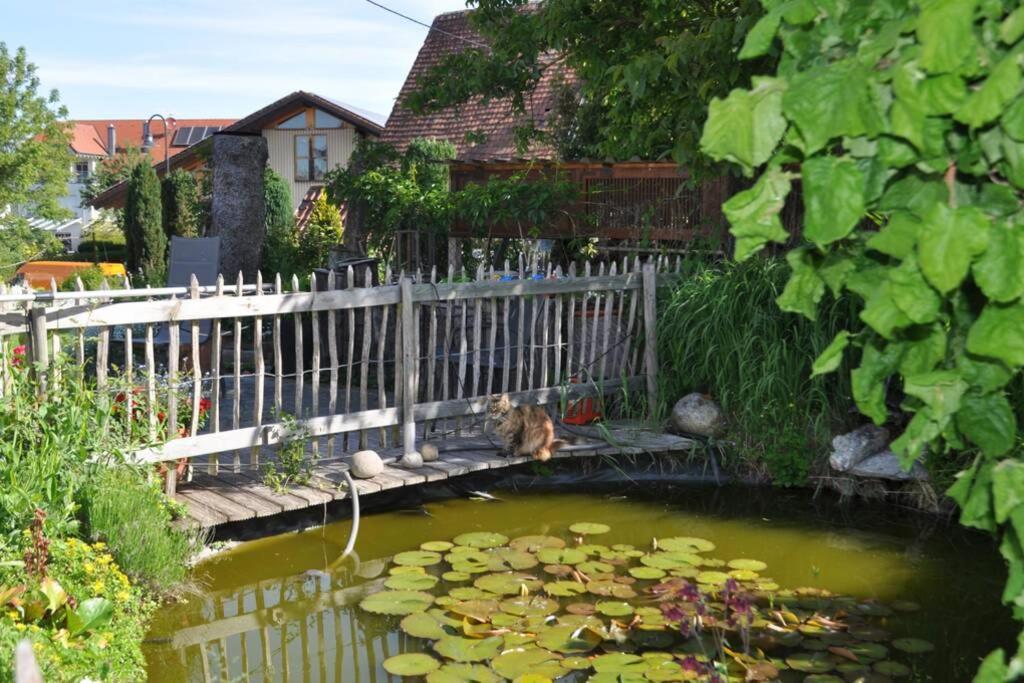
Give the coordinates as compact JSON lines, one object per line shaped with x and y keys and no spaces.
{"x":281,"y":147}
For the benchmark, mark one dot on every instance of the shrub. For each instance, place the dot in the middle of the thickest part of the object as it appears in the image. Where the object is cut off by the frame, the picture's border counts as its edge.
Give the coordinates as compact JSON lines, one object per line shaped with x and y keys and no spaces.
{"x":81,"y":579}
{"x":92,"y":279}
{"x":720,"y":332}
{"x":143,"y":225}
{"x":322,"y":232}
{"x":180,"y":199}
{"x":279,"y":249}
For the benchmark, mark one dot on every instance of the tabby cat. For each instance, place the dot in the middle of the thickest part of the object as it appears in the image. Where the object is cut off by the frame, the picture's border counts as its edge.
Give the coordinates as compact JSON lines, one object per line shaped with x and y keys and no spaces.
{"x":525,"y":430}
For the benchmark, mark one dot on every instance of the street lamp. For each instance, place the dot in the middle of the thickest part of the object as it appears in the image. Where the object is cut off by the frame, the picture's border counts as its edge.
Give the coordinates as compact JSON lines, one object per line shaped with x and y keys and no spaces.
{"x":148,"y":142}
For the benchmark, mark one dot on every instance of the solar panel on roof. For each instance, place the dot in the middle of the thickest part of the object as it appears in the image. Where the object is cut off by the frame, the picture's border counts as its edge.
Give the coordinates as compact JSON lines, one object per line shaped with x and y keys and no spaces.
{"x":181,"y":137}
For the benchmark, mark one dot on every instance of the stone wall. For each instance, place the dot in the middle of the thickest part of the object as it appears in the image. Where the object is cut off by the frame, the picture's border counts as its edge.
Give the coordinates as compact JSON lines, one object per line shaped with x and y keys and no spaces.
{"x":237,"y":212}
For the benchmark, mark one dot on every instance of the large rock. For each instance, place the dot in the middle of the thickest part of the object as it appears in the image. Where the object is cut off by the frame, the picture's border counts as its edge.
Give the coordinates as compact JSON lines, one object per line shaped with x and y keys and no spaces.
{"x":853,"y":447}
{"x":697,"y":414}
{"x":429,"y":452}
{"x":236,"y":207}
{"x":366,"y":464}
{"x":886,"y":465}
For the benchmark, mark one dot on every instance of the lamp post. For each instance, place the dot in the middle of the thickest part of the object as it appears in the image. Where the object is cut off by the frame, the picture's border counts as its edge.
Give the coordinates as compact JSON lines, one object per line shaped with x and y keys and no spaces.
{"x":148,"y":142}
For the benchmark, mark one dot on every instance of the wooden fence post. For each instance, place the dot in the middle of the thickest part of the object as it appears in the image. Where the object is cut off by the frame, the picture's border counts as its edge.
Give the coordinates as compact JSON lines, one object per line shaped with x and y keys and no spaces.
{"x":650,"y":336}
{"x":410,"y":457}
{"x":39,"y":353}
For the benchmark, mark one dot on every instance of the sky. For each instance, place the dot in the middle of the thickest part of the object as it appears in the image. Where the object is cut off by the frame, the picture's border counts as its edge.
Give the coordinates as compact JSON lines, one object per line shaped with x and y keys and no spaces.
{"x":216,"y":58}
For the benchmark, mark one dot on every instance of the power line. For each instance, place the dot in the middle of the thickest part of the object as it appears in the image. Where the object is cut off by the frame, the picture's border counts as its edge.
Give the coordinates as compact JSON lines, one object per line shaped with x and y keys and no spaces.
{"x":475,"y":43}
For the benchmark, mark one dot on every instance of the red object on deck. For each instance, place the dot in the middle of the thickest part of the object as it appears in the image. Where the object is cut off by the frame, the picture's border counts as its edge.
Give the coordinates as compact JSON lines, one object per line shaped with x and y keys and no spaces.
{"x":583,"y":411}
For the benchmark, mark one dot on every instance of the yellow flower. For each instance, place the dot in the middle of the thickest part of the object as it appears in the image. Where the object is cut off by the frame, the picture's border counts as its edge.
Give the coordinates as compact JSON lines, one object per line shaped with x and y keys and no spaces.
{"x":37,"y":646}
{"x":13,"y":615}
{"x":89,"y":567}
{"x":99,"y":545}
{"x":20,"y":626}
{"x":98,"y":587}
{"x":123,"y":596}
{"x":105,"y":559}
{"x":34,"y":628}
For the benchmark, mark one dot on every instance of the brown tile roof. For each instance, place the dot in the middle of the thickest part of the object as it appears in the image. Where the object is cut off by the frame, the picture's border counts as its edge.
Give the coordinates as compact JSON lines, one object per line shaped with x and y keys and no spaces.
{"x":129,"y":132}
{"x":85,"y":140}
{"x":451,"y":33}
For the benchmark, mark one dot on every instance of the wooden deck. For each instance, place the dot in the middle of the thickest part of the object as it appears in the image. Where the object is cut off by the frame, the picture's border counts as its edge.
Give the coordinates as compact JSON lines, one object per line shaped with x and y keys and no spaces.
{"x":213,"y":500}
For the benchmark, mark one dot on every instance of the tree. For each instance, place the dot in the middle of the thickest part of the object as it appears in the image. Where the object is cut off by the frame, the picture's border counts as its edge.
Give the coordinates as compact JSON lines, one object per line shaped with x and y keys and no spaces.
{"x":35,"y":158}
{"x":112,"y":170}
{"x":646,"y":71}
{"x":180,"y":205}
{"x":904,"y":123}
{"x":323,"y":231}
{"x":279,"y":250}
{"x":144,"y":234}
{"x":21,"y":242}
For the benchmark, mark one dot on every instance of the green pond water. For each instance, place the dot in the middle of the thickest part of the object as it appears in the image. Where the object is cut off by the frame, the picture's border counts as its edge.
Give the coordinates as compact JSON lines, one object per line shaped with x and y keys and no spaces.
{"x":282,"y":609}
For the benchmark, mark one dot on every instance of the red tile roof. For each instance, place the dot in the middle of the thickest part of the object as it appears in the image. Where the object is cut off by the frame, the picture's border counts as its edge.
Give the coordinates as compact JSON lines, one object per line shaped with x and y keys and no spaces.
{"x":129,"y":132}
{"x":452,"y":33}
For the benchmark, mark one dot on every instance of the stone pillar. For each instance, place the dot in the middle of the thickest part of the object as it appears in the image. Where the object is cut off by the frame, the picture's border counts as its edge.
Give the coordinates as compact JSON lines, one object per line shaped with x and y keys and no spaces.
{"x":237,"y":212}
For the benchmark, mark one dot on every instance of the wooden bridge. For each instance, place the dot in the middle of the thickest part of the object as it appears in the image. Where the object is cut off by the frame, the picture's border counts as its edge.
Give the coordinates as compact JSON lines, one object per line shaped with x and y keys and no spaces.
{"x":223,"y":376}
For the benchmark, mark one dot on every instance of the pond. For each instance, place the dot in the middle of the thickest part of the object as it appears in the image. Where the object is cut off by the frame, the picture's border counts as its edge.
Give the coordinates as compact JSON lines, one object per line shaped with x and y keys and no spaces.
{"x":282,"y":609}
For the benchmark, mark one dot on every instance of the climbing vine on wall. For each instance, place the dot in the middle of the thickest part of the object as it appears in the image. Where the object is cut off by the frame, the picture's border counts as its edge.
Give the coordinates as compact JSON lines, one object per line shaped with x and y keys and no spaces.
{"x":903,"y":122}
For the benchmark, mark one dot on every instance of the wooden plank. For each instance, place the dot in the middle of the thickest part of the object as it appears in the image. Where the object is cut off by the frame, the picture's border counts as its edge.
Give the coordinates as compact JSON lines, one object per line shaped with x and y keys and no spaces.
{"x":261,"y":372}
{"x":445,"y":371}
{"x":609,"y":303}
{"x":236,"y":399}
{"x":364,"y":360}
{"x":557,"y":370}
{"x":232,"y":511}
{"x":315,"y":379}
{"x":243,"y":495}
{"x":409,"y":368}
{"x":592,"y":359}
{"x":332,"y":352}
{"x":570,"y":329}
{"x":299,"y":372}
{"x":382,"y":342}
{"x":312,"y":495}
{"x":650,"y":338}
{"x":477,"y":332}
{"x":350,"y":282}
{"x":205,"y":517}
{"x":431,"y":352}
{"x":521,"y":324}
{"x":173,"y":352}
{"x":213,"y":465}
{"x":278,"y":356}
{"x":635,"y":359}
{"x":493,"y":341}
{"x":544,"y":329}
{"x":197,"y":370}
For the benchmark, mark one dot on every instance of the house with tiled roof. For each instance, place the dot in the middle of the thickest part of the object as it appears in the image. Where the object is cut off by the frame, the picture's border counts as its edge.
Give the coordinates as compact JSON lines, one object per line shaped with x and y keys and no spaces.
{"x":482,"y":131}
{"x":307,"y":135}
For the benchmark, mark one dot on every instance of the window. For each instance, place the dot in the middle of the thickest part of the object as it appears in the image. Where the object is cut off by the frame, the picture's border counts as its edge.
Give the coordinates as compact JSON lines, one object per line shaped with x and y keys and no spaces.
{"x":296,"y":122}
{"x":322,"y":119}
{"x":310,"y":157}
{"x":81,"y":171}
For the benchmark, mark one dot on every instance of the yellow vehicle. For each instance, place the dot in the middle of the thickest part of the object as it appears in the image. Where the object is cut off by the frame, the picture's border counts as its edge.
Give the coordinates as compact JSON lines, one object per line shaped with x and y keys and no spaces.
{"x":38,"y":274}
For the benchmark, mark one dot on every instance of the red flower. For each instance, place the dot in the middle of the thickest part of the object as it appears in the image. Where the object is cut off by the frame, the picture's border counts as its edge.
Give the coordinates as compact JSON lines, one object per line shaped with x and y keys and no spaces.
{"x":204,"y":405}
{"x":19,"y":355}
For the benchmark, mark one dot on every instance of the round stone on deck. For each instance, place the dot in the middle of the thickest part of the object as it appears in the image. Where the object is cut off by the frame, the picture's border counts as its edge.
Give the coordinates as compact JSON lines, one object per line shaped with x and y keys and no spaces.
{"x":697,"y":414}
{"x":366,"y":464}
{"x":429,"y":452}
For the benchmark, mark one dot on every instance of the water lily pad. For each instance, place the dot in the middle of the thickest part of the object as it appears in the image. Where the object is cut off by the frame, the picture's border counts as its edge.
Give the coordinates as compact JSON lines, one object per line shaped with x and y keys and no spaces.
{"x":501,"y":559}
{"x":411,"y":582}
{"x":461,"y":649}
{"x":531,"y":544}
{"x":611,"y":589}
{"x":463,"y":673}
{"x":595,"y":567}
{"x":481,"y":539}
{"x":589,"y":528}
{"x":418,"y":558}
{"x":480,"y":610}
{"x":823,"y":678}
{"x":686,"y":572}
{"x":516,"y":663}
{"x":508,"y":584}
{"x":576,"y":663}
{"x":471,"y":593}
{"x":456,"y":577}
{"x":564,"y":588}
{"x":811,"y":662}
{"x":403,"y":569}
{"x":620,"y":663}
{"x":905,"y":605}
{"x":646,"y":572}
{"x":712,"y":578}
{"x":469,"y":568}
{"x":422,"y":625}
{"x":567,"y":556}
{"x":686,"y":544}
{"x":913,"y":646}
{"x":874,"y":609}
{"x":411,"y":664}
{"x":580,"y":608}
{"x":743,"y":574}
{"x":397,"y":602}
{"x":613,"y":608}
{"x":437,"y":546}
{"x":752,"y":565}
{"x":569,"y":639}
{"x":891,"y":668}
{"x":529,"y":606}
{"x":867,"y":632}
{"x":868,"y":650}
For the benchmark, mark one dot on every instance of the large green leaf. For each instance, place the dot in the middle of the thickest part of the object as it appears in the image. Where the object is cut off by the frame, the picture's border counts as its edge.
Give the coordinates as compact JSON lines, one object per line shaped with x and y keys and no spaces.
{"x":988,"y":421}
{"x":1007,"y":488}
{"x":804,"y":288}
{"x":1012,"y":120}
{"x":944,"y":28}
{"x":461,"y":649}
{"x":1012,"y":27}
{"x":920,"y":432}
{"x":747,"y":125}
{"x":829,"y":359}
{"x":987,"y":102}
{"x":999,"y":333}
{"x":1000,"y":270}
{"x":940,"y":390}
{"x":833,"y":198}
{"x":881,"y":312}
{"x":973,"y":492}
{"x":948,"y":241}
{"x":90,"y":614}
{"x":912,"y":294}
{"x":760,"y":38}
{"x":827,"y":102}
{"x":868,"y":382}
{"x":898,"y":237}
{"x":754,"y":213}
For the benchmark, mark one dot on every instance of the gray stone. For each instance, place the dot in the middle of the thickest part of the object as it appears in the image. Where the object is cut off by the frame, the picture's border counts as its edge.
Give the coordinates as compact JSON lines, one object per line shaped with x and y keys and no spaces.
{"x":697,"y":414}
{"x":410,"y":461}
{"x":366,"y":464}
{"x":237,"y":210}
{"x":853,"y":447}
{"x":429,"y":452}
{"x":886,"y":465}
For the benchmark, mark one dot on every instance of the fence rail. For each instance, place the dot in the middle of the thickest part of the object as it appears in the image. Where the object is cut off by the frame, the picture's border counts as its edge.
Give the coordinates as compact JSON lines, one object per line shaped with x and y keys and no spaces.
{"x":207,"y":370}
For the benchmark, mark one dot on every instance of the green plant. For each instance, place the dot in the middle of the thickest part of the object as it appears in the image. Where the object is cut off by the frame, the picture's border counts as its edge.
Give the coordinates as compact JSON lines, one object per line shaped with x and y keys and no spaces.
{"x":911,"y":114}
{"x":21,"y":243}
{"x":323,"y":231}
{"x":180,"y":200}
{"x":144,"y":234}
{"x":279,"y":250}
{"x":291,"y":466}
{"x":92,"y":279}
{"x":721,"y":333}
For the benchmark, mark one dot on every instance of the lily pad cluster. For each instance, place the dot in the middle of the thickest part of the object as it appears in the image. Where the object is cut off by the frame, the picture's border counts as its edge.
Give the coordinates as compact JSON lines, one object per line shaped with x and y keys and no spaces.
{"x":542,"y":608}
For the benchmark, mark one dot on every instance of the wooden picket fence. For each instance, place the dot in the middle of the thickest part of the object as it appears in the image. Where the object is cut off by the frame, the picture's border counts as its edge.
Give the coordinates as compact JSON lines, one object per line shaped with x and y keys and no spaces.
{"x":359,"y":364}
